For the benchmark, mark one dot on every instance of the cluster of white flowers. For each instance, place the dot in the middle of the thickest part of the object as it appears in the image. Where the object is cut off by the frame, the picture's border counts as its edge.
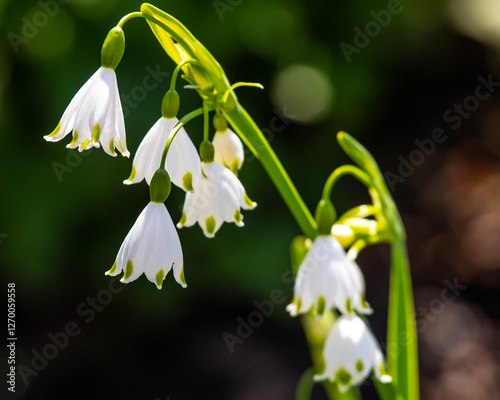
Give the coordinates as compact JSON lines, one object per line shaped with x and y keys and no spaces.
{"x":328,"y":279}
{"x":214,"y":194}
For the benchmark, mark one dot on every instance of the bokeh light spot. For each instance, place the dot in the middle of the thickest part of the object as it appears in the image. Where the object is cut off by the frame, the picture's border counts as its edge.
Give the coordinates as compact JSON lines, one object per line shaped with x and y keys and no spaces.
{"x":303,"y":93}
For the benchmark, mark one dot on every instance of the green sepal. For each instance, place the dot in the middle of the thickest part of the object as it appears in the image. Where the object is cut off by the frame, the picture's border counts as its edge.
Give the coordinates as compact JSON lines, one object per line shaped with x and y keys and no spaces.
{"x":325,"y":216}
{"x":207,"y":152}
{"x":220,"y":123}
{"x":160,"y":186}
{"x":170,"y":104}
{"x":113,"y":48}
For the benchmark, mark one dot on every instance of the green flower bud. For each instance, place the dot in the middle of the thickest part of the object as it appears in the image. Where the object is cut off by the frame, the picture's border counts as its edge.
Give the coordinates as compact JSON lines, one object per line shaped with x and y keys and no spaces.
{"x":220,"y":123}
{"x":113,"y":48}
{"x":160,"y":186}
{"x":325,"y":216}
{"x":207,"y":152}
{"x":170,"y":104}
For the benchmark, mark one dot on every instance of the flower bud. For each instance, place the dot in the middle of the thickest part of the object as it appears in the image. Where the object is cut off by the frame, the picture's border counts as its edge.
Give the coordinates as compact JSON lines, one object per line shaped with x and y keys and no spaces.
{"x":160,"y":186}
{"x":170,"y":104}
{"x":207,"y":152}
{"x":220,"y":123}
{"x":325,"y":216}
{"x":113,"y":48}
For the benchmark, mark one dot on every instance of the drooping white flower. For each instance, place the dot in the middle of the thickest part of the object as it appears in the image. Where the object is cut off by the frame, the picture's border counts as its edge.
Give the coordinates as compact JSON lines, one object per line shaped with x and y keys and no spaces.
{"x":95,"y":116}
{"x":217,"y":198}
{"x":183,"y":163}
{"x":351,"y":353}
{"x":229,"y":149}
{"x":327,"y":279}
{"x":151,"y":247}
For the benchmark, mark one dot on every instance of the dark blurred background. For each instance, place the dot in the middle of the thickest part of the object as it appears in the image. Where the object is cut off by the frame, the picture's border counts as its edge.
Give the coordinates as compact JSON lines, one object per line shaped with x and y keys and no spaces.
{"x":418,"y":86}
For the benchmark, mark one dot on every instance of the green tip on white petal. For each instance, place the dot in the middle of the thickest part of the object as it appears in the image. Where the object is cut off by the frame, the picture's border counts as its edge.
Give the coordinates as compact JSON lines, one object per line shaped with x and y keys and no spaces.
{"x":55,"y":132}
{"x":237,"y":218}
{"x":298,"y":304}
{"x":343,"y":378}
{"x":112,"y":147}
{"x":187,"y":181}
{"x":112,"y":271}
{"x":183,"y":220}
{"x":96,"y":133}
{"x":182,"y":278}
{"x":133,"y":173}
{"x":359,"y":365}
{"x":321,"y":305}
{"x":75,"y":138}
{"x":160,"y":276}
{"x":129,"y":270}
{"x":210,"y":225}
{"x":249,"y":202}
{"x":348,"y":306}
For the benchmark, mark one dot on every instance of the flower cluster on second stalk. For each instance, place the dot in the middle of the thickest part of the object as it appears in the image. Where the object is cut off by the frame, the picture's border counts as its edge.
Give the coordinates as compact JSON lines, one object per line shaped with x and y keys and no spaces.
{"x":329,"y":279}
{"x":166,"y":155}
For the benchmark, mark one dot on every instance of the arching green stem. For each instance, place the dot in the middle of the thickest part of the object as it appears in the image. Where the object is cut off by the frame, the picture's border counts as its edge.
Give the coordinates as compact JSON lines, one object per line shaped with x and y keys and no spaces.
{"x":183,"y":121}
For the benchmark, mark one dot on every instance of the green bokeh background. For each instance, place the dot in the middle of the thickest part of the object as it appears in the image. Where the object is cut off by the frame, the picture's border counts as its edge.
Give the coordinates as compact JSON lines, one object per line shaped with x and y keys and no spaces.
{"x":61,"y":230}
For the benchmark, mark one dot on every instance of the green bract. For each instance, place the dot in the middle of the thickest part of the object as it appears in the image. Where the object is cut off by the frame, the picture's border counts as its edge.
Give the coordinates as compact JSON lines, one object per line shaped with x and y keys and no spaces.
{"x":325,"y":216}
{"x":170,"y":104}
{"x":113,"y":48}
{"x":220,"y":123}
{"x":160,"y":186}
{"x":207,"y":152}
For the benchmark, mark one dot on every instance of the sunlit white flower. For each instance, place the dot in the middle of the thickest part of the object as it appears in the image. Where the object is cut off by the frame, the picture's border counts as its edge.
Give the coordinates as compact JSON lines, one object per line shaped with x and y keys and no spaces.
{"x":216,"y":199}
{"x":228,"y":149}
{"x":95,"y":116}
{"x":327,"y":279}
{"x":183,"y":163}
{"x":351,"y":353}
{"x":151,"y":247}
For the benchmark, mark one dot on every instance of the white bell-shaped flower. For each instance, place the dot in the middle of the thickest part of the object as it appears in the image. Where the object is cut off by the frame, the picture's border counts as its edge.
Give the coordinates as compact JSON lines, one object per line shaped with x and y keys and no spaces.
{"x":151,"y":247}
{"x":351,"y":353}
{"x":183,"y":163}
{"x":229,"y":149}
{"x":217,"y":198}
{"x":95,"y":116}
{"x":326,"y":279}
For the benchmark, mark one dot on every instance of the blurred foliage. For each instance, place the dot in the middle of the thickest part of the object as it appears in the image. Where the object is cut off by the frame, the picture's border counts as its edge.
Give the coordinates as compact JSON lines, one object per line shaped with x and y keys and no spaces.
{"x":64,"y":232}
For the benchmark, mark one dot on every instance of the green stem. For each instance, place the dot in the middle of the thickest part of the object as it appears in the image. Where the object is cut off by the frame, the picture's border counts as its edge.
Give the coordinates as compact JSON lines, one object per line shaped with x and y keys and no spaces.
{"x":183,"y":121}
{"x":356,"y":172}
{"x":177,"y":69}
{"x":130,"y":16}
{"x":255,"y":140}
{"x":206,"y":121}
{"x":402,"y":352}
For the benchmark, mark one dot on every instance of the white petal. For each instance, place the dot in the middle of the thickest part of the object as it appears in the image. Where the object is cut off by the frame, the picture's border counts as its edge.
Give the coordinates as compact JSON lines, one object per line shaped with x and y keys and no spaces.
{"x":183,"y":159}
{"x":148,"y":157}
{"x":229,"y":149}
